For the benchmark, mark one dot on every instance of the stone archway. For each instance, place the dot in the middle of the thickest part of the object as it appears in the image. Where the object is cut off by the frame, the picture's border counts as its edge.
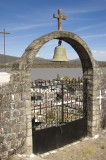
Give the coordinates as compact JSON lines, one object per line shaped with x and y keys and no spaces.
{"x":91,"y":73}
{"x":75,"y":41}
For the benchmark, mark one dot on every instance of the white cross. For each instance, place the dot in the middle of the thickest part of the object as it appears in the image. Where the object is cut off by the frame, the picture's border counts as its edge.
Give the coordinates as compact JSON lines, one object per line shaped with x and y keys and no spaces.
{"x":100,"y":99}
{"x":12,"y":96}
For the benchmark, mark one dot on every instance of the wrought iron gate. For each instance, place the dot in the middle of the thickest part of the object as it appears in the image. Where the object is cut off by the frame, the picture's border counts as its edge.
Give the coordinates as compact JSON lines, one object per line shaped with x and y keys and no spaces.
{"x":56,"y":103}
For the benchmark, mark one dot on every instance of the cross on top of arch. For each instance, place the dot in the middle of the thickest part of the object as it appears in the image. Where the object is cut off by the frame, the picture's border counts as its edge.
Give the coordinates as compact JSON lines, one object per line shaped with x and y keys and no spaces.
{"x":60,"y":18}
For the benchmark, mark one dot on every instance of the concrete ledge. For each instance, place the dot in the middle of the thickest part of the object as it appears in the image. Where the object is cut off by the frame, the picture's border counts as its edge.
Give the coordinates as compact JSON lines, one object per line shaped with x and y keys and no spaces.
{"x":4,"y":77}
{"x":26,"y":157}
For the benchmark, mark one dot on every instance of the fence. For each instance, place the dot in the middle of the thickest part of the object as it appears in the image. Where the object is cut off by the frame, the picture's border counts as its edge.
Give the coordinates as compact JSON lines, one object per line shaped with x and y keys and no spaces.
{"x":56,"y":102}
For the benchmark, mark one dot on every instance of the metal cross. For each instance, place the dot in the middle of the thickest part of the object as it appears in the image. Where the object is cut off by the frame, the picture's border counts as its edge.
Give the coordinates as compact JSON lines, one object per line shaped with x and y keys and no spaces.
{"x":60,"y":17}
{"x":100,"y":99}
{"x":4,"y":44}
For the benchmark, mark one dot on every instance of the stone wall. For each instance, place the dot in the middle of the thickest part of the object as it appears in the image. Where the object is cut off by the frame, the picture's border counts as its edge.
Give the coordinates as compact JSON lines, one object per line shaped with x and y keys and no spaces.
{"x":12,"y":116}
{"x":103,"y":122}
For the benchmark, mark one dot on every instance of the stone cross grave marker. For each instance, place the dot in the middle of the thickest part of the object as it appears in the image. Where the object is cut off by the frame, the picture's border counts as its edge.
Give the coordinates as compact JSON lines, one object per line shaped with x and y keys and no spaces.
{"x":100,"y":97}
{"x":60,"y":17}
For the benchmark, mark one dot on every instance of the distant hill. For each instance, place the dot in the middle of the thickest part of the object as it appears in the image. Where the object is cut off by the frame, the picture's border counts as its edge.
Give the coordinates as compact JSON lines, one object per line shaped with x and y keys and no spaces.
{"x":46,"y":63}
{"x":7,"y":58}
{"x":40,"y":63}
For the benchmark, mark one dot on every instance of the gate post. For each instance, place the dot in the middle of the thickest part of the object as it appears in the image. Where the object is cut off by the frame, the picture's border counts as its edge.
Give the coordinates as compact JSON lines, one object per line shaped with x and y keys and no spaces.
{"x":28,"y":142}
{"x":92,"y":103}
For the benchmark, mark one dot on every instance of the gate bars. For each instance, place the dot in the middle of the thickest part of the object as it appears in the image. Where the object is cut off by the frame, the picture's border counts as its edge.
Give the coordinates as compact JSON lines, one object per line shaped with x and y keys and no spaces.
{"x":56,"y":102}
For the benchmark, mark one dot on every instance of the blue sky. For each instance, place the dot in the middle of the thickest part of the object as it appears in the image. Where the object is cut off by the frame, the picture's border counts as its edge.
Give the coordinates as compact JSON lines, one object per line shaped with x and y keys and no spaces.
{"x":27,"y":20}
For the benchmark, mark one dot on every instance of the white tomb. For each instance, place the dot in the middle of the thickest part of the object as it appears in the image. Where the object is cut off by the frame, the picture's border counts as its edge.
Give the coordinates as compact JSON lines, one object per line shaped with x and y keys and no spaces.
{"x":4,"y":77}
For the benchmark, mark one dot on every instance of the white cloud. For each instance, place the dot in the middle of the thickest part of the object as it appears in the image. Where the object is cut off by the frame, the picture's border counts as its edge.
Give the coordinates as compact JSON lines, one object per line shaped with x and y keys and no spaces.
{"x":45,"y":55}
{"x":94,"y":36}
{"x":20,"y":36}
{"x":38,"y":55}
{"x":78,"y":11}
{"x":99,"y":55}
{"x":90,"y":26}
{"x":24,"y":27}
{"x":78,"y":19}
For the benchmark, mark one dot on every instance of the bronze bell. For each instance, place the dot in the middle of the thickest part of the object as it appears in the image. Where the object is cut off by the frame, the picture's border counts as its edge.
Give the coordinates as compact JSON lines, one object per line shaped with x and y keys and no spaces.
{"x":59,"y":53}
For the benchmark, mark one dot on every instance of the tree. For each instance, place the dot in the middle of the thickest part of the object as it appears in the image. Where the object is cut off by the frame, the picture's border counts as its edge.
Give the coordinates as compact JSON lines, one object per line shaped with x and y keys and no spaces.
{"x":74,"y":80}
{"x":79,"y":79}
{"x":58,"y":77}
{"x":66,"y":78}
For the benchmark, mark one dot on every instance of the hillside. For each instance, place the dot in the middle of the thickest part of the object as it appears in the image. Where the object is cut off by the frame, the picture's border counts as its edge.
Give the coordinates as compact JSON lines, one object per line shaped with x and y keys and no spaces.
{"x":45,"y":63}
{"x":40,"y":63}
{"x":7,"y":58}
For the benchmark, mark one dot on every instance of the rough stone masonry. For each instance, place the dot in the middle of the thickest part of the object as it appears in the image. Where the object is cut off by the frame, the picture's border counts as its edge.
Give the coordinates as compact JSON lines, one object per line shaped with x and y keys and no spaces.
{"x":12,"y":116}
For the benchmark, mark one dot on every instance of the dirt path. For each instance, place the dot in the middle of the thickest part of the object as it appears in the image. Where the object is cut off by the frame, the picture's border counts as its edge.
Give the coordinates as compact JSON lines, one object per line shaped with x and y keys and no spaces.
{"x":86,"y":149}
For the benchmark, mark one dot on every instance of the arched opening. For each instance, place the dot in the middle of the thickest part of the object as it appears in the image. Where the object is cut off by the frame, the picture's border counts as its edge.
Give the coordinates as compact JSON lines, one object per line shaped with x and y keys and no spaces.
{"x":57,"y":101}
{"x":76,"y":42}
{"x":24,"y":66}
{"x":44,"y":57}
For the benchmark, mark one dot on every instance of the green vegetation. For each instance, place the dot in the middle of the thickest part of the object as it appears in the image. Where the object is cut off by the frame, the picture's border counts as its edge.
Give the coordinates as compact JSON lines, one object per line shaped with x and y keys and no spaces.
{"x":5,"y":66}
{"x":88,"y":152}
{"x":80,"y":111}
{"x":66,"y":78}
{"x":50,"y":115}
{"x":74,"y":80}
{"x":79,"y":79}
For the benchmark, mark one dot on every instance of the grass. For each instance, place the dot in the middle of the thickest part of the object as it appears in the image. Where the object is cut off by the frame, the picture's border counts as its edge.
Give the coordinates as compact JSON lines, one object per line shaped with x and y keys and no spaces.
{"x":81,"y":139}
{"x":88,"y":152}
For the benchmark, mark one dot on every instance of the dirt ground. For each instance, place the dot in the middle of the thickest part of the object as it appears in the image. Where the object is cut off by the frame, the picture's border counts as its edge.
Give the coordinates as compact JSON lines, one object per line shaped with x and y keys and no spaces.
{"x":84,"y":149}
